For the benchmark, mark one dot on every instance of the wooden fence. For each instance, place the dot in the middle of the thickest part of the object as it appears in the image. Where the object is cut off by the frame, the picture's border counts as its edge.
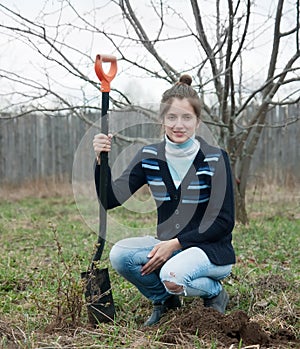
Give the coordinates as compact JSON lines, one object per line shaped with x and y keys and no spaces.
{"x":38,"y":147}
{"x":277,"y":156}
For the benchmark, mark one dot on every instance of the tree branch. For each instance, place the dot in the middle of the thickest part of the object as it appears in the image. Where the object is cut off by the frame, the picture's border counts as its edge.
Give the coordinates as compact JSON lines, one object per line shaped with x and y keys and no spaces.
{"x":207,"y":48}
{"x":131,"y":17}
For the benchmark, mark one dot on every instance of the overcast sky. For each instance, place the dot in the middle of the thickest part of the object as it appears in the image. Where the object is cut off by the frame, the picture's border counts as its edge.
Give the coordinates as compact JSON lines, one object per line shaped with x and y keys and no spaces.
{"x":20,"y":58}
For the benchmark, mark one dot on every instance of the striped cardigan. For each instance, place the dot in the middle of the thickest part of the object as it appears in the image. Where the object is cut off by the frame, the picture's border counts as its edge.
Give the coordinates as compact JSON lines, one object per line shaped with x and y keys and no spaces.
{"x":200,"y":212}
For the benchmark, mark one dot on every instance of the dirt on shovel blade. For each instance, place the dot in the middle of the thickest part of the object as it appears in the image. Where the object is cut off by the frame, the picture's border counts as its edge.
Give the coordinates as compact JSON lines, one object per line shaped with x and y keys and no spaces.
{"x":98,"y":295}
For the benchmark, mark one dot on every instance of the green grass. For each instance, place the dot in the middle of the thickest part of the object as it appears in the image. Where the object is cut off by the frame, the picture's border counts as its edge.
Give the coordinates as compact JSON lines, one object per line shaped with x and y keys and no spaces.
{"x":45,"y":245}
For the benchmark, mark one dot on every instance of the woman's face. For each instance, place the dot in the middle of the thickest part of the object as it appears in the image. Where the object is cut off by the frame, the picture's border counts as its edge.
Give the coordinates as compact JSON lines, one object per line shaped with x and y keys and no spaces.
{"x":180,"y":121}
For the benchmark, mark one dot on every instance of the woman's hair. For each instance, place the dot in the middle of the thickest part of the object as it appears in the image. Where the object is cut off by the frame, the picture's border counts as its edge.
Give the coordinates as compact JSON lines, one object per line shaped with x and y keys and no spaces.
{"x":182,"y":89}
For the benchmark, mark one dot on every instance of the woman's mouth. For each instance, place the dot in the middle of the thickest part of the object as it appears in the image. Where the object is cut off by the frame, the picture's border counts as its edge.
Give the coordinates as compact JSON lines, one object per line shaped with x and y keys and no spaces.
{"x":178,"y":133}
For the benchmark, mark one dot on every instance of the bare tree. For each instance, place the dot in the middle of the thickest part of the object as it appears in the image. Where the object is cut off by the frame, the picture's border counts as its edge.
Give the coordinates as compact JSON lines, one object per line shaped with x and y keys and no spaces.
{"x":213,"y":46}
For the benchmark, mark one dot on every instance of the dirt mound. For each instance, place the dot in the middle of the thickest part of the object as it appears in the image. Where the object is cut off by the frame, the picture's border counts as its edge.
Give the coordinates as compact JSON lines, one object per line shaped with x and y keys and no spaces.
{"x":226,"y":330}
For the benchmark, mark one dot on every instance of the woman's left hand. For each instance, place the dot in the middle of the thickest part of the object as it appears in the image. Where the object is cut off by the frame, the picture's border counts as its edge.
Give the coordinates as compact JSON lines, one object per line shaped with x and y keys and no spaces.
{"x":160,"y":254}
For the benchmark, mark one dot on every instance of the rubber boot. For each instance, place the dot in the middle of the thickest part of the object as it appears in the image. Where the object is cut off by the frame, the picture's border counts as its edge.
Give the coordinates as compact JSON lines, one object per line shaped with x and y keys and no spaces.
{"x":160,"y":309}
{"x":218,"y":302}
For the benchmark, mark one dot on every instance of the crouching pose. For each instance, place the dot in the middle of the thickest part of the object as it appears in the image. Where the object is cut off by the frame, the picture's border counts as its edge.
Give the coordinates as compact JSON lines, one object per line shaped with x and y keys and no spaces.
{"x":191,"y":183}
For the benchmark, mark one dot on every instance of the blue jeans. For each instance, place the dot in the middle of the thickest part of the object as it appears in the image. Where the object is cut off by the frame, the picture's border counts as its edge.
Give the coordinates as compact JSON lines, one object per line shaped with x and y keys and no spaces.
{"x":189,"y":268}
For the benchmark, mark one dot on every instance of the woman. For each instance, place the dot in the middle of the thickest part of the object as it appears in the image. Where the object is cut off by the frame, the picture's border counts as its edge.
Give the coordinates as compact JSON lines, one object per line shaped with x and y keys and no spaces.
{"x":191,"y":183}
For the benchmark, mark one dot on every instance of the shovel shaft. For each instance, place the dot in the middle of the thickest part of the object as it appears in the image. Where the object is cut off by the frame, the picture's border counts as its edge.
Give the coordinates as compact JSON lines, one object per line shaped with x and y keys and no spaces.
{"x":105,"y":79}
{"x":103,"y":181}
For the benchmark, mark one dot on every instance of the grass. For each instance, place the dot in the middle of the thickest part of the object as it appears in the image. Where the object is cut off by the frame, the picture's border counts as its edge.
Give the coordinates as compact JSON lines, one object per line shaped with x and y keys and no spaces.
{"x":45,"y":245}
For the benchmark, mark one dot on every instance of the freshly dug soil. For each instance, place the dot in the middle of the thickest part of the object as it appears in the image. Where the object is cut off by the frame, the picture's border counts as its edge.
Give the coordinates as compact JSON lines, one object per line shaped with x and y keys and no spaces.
{"x":226,"y":330}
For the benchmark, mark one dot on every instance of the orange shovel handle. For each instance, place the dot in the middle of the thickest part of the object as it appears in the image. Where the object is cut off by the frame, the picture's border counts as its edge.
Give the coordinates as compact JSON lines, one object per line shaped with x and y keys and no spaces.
{"x":105,"y":78}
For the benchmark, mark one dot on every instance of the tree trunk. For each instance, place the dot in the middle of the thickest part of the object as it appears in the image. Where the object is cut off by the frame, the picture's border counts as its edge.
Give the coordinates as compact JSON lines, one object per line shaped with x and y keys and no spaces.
{"x":240,"y":206}
{"x":241,"y":170}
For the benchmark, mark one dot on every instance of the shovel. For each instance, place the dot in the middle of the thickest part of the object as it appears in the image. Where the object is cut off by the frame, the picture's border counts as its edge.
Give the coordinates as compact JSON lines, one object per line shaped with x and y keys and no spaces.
{"x":98,"y":294}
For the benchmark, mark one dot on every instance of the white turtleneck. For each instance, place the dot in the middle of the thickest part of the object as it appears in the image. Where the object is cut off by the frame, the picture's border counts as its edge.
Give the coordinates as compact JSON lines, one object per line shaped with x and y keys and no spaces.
{"x":180,"y":156}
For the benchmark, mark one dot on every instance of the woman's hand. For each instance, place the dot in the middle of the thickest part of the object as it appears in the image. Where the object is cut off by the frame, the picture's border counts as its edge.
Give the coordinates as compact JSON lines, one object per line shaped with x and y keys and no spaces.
{"x":102,"y":143}
{"x":160,"y":254}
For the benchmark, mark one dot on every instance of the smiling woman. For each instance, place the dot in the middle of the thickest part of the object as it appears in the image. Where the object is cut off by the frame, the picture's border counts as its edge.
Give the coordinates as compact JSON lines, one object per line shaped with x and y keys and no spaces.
{"x":191,"y":184}
{"x":180,"y":111}
{"x":180,"y":125}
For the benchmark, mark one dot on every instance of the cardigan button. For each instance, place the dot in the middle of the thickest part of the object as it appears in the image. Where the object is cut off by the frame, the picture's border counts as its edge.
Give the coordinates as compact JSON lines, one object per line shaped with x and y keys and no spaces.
{"x":176,"y":211}
{"x":177,"y":226}
{"x":175,"y":197}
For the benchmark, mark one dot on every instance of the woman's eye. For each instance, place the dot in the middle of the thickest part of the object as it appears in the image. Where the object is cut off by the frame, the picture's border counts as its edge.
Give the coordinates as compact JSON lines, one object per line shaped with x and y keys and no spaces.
{"x":171,"y":117}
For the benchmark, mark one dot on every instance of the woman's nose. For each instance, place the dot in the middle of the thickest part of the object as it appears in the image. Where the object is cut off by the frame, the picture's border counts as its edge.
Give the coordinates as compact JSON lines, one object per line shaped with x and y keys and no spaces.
{"x":178,"y":122}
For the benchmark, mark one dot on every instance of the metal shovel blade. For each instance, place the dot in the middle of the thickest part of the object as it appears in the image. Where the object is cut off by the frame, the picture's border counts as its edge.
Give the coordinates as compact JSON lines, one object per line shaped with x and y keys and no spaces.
{"x":98,"y":295}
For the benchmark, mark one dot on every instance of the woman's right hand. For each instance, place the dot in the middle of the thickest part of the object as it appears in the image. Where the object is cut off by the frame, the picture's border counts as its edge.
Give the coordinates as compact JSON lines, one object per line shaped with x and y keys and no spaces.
{"x":102,"y":143}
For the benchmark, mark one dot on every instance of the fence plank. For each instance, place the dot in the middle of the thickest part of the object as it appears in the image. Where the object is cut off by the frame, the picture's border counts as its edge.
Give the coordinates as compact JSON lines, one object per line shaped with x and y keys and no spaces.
{"x":42,"y":146}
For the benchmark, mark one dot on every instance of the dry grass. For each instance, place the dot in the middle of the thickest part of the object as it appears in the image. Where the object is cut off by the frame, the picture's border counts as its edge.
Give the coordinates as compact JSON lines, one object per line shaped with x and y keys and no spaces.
{"x":37,"y":189}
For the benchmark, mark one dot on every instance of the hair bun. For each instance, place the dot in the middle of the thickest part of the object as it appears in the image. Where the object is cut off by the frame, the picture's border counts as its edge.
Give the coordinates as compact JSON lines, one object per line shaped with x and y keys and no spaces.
{"x":186,"y":79}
